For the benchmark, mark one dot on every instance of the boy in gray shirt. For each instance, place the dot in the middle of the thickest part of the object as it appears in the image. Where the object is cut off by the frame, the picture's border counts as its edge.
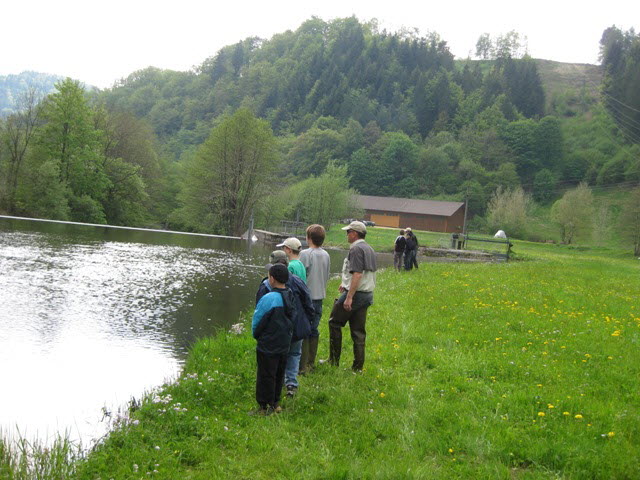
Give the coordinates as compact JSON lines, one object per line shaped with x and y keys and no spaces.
{"x":317,"y":263}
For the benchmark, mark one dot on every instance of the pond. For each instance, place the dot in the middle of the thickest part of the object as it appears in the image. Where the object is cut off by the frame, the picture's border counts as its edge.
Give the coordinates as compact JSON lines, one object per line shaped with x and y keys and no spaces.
{"x":91,"y":317}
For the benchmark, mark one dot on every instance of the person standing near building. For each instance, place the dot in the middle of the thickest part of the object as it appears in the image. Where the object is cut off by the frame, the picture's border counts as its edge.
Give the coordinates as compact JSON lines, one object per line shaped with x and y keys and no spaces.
{"x":411,"y":250}
{"x":398,"y":251}
{"x":357,"y":286}
{"x":317,"y":263}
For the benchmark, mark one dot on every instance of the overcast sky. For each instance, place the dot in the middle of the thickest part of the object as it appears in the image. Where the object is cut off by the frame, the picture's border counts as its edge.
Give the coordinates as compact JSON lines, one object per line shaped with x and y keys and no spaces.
{"x":101,"y":42}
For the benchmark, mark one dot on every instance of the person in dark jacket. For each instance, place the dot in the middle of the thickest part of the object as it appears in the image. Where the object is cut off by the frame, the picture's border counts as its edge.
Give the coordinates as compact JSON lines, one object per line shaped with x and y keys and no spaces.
{"x":272,"y":327}
{"x":398,"y":250}
{"x":411,"y":250}
{"x":303,"y":317}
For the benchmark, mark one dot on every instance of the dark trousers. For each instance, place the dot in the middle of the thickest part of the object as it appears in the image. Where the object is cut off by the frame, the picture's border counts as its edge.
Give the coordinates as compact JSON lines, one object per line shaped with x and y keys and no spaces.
{"x":310,"y":344}
{"x":410,"y":259}
{"x":398,"y":260}
{"x":357,"y":320}
{"x":270,"y":378}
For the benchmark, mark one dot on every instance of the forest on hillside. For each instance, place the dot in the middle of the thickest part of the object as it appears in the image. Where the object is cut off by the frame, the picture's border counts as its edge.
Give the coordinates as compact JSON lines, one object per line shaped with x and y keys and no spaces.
{"x":12,"y":88}
{"x":290,"y":127}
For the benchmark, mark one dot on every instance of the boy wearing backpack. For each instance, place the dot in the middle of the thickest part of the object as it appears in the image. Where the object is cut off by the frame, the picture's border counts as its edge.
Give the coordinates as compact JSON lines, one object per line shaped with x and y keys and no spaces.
{"x":302,"y":318}
{"x":272,"y":327}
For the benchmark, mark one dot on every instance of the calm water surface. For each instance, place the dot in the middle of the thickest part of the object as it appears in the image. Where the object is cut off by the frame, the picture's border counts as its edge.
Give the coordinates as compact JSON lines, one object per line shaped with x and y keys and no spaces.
{"x":91,"y":317}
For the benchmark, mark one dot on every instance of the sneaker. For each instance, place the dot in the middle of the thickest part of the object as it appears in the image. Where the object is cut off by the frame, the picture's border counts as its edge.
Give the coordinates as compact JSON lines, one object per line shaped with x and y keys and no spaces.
{"x":291,"y":390}
{"x":278,"y":409}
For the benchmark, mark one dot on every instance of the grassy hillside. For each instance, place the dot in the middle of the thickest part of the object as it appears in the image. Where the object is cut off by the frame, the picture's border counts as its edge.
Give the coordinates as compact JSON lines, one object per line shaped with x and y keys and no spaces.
{"x":523,"y":370}
{"x":12,"y":87}
{"x":559,"y":77}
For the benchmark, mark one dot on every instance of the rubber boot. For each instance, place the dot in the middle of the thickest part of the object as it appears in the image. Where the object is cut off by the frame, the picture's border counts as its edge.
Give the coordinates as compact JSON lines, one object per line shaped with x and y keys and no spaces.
{"x":304,"y":357}
{"x":313,"y":351}
{"x":358,"y":357}
{"x":335,"y":346}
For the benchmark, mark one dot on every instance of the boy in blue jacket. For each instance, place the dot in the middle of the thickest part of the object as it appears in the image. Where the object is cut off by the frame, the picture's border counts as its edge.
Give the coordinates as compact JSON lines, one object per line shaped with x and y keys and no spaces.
{"x":302,"y":319}
{"x":272,"y":327}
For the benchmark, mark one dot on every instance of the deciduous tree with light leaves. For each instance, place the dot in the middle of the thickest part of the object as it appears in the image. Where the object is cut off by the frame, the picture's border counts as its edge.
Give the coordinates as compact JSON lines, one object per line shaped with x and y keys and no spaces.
{"x":574,"y":213}
{"x":229,"y":172}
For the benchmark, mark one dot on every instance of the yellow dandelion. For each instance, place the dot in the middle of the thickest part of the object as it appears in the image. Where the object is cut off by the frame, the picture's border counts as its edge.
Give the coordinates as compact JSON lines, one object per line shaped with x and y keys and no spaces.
{"x":578,"y":416}
{"x":541,"y":414}
{"x":566,"y":413}
{"x":610,"y":434}
{"x":451,"y":450}
{"x":550,"y":406}
{"x":382,"y":395}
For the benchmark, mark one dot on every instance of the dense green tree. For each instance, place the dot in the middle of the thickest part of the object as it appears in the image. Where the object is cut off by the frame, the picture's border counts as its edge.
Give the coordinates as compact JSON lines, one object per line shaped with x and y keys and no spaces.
{"x":549,"y":143}
{"x":69,"y":139}
{"x":544,"y":184}
{"x":576,"y":165}
{"x":520,"y":137}
{"x":137,"y":179}
{"x":620,"y":57}
{"x":364,"y":172}
{"x":524,"y":87}
{"x":505,"y":177}
{"x":398,"y":162}
{"x":43,"y":194}
{"x":434,"y":174}
{"x":327,"y":198}
{"x":228,"y":174}
{"x":312,"y":151}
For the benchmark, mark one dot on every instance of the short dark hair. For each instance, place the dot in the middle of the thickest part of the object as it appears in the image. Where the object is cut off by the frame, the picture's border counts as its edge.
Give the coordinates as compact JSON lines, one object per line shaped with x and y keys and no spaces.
{"x":401,"y":232}
{"x":316,"y":233}
{"x":279,"y":272}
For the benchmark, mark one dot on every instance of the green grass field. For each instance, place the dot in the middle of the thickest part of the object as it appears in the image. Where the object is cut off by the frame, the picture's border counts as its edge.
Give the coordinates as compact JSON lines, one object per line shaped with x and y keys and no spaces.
{"x":521,"y":370}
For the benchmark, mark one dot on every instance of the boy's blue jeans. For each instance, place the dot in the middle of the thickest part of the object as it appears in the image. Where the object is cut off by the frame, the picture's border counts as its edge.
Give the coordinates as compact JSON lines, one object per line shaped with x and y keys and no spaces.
{"x":293,"y":364}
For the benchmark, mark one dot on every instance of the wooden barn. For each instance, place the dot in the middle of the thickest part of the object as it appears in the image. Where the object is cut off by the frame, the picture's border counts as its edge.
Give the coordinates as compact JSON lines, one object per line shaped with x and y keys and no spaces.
{"x":428,"y":215}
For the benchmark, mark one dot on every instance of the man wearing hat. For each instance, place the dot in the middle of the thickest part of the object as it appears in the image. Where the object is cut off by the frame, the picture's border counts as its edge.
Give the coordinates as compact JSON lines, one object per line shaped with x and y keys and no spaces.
{"x":358,"y":283}
{"x":292,"y":247}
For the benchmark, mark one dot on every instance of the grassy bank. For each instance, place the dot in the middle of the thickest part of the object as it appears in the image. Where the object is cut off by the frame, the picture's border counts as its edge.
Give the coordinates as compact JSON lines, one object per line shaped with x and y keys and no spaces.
{"x":521,"y":370}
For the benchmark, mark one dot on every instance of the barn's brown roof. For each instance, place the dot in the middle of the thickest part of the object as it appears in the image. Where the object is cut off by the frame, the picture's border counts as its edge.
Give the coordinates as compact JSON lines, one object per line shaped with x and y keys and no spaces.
{"x":408,"y":205}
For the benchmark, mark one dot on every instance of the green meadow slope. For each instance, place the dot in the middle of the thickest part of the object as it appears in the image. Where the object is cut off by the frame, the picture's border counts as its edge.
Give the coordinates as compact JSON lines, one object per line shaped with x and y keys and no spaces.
{"x":515,"y":370}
